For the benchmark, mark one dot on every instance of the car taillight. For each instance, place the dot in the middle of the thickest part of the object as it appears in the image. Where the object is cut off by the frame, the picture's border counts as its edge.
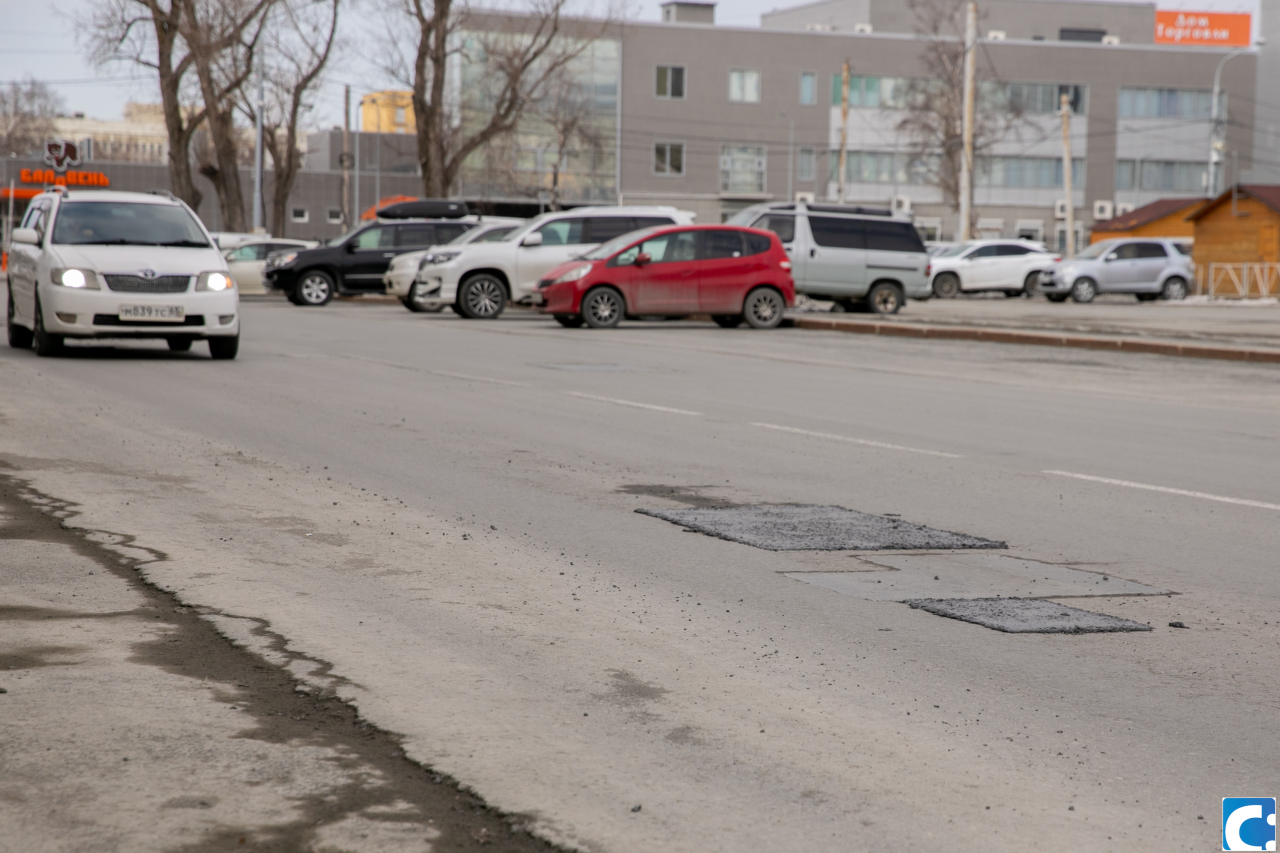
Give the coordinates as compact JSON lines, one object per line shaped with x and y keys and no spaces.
{"x":1057,"y":259}
{"x":928,"y":268}
{"x":786,"y":265}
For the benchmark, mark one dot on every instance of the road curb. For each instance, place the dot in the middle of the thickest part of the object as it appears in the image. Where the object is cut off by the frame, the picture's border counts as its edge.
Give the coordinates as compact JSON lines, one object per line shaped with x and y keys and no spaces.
{"x":1046,"y":339}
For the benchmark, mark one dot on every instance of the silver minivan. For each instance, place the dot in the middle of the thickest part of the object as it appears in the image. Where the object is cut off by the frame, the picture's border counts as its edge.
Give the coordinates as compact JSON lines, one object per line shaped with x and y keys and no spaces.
{"x":860,"y":258}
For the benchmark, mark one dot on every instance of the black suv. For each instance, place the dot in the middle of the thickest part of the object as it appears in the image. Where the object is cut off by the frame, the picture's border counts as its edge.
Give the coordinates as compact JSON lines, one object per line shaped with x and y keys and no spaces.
{"x":354,"y":263}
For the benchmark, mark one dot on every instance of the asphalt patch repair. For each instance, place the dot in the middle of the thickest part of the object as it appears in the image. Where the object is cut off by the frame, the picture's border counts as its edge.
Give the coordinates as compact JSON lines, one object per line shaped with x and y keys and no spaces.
{"x":801,"y":527}
{"x":1025,"y":615}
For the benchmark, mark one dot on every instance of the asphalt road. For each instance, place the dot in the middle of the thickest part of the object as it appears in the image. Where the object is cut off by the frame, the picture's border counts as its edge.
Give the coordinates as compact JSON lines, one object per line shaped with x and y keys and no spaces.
{"x":441,"y":513}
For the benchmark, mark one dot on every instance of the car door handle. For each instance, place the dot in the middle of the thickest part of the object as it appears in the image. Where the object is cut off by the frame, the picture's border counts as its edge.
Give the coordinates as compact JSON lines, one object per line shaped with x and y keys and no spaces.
{"x":813,"y":253}
{"x":388,"y":254}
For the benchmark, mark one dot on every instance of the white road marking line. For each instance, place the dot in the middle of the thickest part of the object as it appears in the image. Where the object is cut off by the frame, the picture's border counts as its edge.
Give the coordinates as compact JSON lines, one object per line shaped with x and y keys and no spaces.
{"x":863,"y":441}
{"x":479,"y":378}
{"x":1169,"y":491}
{"x":632,"y":403}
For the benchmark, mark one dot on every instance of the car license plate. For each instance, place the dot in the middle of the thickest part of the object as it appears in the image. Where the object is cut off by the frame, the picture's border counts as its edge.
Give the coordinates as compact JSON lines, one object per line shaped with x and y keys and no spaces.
{"x":155,"y":313}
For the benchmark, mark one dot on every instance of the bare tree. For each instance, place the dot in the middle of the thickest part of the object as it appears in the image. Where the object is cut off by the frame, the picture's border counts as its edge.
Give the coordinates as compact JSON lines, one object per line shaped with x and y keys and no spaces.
{"x":303,"y":35}
{"x":934,"y":104}
{"x":149,"y":33}
{"x":27,"y":111}
{"x":521,"y":54}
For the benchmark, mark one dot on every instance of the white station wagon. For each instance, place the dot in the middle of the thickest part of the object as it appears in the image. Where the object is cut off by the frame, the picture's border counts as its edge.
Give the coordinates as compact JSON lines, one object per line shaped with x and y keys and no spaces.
{"x":99,"y":264}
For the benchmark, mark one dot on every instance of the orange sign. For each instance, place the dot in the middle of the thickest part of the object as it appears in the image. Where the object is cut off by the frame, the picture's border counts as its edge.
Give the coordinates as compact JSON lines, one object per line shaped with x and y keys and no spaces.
{"x":70,"y":179}
{"x":1207,"y":29}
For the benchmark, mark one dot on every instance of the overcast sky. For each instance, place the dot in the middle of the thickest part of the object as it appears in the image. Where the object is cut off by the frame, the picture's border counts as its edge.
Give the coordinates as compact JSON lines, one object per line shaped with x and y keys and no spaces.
{"x":39,"y":41}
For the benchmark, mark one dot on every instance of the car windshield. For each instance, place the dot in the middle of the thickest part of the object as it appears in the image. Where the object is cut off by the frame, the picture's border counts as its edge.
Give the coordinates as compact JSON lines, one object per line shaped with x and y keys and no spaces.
{"x":617,"y":244}
{"x":102,"y":223}
{"x":493,"y":235}
{"x":745,"y":217}
{"x":1097,"y":250}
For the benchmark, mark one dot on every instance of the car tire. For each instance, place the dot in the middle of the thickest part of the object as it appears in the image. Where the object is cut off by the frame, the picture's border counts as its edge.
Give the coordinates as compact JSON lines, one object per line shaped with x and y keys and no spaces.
{"x":314,"y":288}
{"x":19,"y":336}
{"x":1056,"y":297}
{"x":482,"y":297}
{"x":411,"y":302}
{"x":569,"y":321}
{"x":1174,"y":290}
{"x":457,"y":309}
{"x":946,"y":285}
{"x":763,"y":308}
{"x":224,"y":348}
{"x":1084,"y":290}
{"x":728,"y":321}
{"x":603,"y":308}
{"x":885,"y":299}
{"x":1031,"y":284}
{"x":179,"y":344}
{"x":46,"y":344}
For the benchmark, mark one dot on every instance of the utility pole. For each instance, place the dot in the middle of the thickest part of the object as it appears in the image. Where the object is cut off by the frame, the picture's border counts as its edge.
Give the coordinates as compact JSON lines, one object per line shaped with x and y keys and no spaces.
{"x":1216,"y":122}
{"x":377,"y":158}
{"x":966,"y":128}
{"x":1065,"y":101}
{"x":791,"y":154}
{"x":345,"y":159}
{"x":257,"y":159}
{"x":844,"y":128}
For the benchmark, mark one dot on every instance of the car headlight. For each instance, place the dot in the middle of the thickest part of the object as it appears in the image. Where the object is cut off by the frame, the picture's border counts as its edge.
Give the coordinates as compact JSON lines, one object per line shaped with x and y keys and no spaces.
{"x":80,"y":279}
{"x":574,"y":274}
{"x":215,"y":281}
{"x":275,"y":261}
{"x":437,"y":258}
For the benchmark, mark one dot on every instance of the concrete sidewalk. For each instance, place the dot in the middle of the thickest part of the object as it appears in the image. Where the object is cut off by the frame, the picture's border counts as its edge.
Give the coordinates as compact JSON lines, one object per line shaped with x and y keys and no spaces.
{"x":1232,"y":330}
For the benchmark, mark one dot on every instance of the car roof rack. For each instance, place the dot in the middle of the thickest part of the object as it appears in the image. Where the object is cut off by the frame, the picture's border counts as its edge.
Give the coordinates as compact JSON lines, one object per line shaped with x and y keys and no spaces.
{"x":425,"y":208}
{"x":850,"y":208}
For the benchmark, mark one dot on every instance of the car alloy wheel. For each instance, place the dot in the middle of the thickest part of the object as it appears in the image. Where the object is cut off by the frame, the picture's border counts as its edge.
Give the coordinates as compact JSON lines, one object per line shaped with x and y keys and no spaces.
{"x":884,"y":299}
{"x":316,"y":288}
{"x":602,"y":308}
{"x":1174,"y":290}
{"x":946,"y":286}
{"x":1031,"y":284}
{"x":1084,"y":290}
{"x":483,"y":297}
{"x":763,"y":308}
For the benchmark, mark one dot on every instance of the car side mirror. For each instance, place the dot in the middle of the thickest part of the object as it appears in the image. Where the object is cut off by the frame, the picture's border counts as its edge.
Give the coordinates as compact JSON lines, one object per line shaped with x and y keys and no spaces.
{"x":533,"y":239}
{"x":351,"y":246}
{"x":1113,"y":257}
{"x":642,"y":259}
{"x":30,"y":236}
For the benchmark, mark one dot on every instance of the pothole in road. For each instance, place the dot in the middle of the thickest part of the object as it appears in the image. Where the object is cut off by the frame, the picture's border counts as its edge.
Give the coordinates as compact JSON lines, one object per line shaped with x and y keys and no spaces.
{"x":1026,"y":616}
{"x":800,"y":527}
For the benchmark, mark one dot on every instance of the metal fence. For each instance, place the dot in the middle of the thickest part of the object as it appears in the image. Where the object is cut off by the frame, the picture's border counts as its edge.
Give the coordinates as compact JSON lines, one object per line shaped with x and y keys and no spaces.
{"x":1239,"y":281}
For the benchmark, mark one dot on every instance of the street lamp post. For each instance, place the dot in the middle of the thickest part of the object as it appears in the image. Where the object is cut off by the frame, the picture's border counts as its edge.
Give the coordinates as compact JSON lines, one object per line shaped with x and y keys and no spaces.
{"x":1215,"y":121}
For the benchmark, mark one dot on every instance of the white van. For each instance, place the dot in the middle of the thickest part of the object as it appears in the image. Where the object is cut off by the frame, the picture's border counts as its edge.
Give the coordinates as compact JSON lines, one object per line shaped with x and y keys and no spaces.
{"x":477,"y":280}
{"x":857,"y":257}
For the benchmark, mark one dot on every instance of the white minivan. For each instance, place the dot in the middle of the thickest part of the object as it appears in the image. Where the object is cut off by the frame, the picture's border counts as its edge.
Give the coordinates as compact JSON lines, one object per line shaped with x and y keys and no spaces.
{"x":101,"y":264}
{"x":477,"y":280}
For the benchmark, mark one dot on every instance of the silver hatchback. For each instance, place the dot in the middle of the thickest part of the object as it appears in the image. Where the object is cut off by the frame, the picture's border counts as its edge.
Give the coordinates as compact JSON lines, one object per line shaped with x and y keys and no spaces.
{"x":1148,"y":268}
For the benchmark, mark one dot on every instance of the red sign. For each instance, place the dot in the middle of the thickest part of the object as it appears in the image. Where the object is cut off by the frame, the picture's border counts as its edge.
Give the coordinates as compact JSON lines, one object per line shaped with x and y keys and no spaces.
{"x":70,"y":179}
{"x":1207,"y":29}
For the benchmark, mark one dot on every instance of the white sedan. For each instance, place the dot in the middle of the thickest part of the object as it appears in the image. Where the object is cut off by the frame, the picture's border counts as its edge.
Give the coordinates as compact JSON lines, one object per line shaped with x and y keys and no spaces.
{"x":248,"y":260}
{"x":1010,"y":266}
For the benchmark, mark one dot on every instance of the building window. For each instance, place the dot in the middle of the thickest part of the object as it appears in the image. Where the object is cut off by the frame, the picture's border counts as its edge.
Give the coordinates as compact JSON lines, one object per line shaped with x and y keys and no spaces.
{"x":889,"y":92}
{"x":670,"y":82}
{"x":808,"y":88}
{"x":299,"y":214}
{"x":1167,"y":103}
{"x":399,"y":115}
{"x":806,"y":164}
{"x":668,"y":158}
{"x":1163,"y":175}
{"x":1037,"y":98}
{"x":744,"y":87}
{"x":742,"y":169}
{"x":335,"y":216}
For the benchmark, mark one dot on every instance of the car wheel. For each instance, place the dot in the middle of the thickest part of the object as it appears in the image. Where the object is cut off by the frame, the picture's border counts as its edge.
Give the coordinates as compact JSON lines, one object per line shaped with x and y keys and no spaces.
{"x":885,"y":299}
{"x":46,"y":344}
{"x":1056,"y":297}
{"x":1175,"y":289}
{"x":602,"y":308}
{"x":1031,"y":284}
{"x":763,"y":308}
{"x":569,"y":321}
{"x":19,"y":336}
{"x":314,"y":288}
{"x":728,"y":321}
{"x":179,"y":344}
{"x":482,"y":297}
{"x":413,"y":304}
{"x":1084,"y":290}
{"x":224,"y":348}
{"x":946,"y":285}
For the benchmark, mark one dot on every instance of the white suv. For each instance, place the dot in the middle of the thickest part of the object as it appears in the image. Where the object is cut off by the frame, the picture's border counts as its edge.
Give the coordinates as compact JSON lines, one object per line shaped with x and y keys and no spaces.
{"x":401,"y":277}
{"x":98,"y":264}
{"x":1010,"y":266}
{"x":477,"y":280}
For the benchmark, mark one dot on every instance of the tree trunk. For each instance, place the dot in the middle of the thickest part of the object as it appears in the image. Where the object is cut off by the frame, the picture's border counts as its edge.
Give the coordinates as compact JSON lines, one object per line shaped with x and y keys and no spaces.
{"x":226,"y":173}
{"x":430,"y":67}
{"x":180,"y":130}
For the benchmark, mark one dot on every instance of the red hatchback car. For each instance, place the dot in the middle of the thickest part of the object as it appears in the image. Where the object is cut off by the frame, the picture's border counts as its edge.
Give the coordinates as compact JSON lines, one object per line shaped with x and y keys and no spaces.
{"x":733,"y":274}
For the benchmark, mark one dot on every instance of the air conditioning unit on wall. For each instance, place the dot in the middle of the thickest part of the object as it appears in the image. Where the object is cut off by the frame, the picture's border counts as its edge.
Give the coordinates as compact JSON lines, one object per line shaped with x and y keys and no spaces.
{"x":862,"y":29}
{"x":901,"y":204}
{"x":1123,"y":207}
{"x":1103,"y":209}
{"x":1111,"y":39}
{"x":996,"y":35}
{"x":806,"y":197}
{"x":1060,"y":209}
